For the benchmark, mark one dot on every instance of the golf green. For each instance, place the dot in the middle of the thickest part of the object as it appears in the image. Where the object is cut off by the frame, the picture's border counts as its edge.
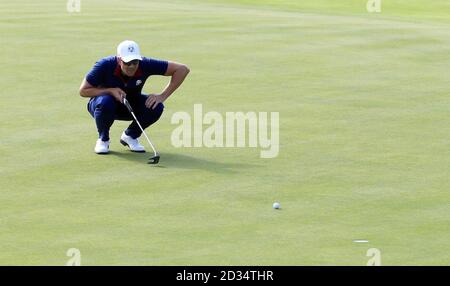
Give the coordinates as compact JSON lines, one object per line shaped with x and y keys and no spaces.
{"x":363,"y":103}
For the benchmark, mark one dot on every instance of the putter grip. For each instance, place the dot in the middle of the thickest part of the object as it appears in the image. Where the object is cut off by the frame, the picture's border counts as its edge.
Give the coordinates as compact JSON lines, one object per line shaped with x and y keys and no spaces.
{"x":127,"y":104}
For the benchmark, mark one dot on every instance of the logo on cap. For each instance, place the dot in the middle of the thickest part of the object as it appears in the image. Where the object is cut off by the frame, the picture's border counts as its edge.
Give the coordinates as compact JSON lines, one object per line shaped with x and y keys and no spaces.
{"x":131,"y":49}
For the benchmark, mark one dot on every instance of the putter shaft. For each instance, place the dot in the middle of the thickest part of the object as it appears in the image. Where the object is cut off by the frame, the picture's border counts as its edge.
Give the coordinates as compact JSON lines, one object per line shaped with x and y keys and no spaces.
{"x":127,"y":104}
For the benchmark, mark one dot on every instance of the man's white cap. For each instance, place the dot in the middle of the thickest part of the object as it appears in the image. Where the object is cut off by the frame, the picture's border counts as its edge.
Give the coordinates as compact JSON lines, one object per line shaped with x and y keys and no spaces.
{"x":128,"y":51}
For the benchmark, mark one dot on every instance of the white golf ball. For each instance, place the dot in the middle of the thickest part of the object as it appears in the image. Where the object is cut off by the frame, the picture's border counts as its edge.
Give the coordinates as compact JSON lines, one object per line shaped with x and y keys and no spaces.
{"x":276,"y":205}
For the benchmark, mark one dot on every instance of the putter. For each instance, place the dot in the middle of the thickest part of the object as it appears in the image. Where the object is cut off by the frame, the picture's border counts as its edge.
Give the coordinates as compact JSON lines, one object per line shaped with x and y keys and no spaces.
{"x":155,"y":158}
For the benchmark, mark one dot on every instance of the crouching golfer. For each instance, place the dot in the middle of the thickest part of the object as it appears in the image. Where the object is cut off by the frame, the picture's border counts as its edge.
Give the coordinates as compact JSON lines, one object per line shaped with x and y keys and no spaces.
{"x":115,"y":77}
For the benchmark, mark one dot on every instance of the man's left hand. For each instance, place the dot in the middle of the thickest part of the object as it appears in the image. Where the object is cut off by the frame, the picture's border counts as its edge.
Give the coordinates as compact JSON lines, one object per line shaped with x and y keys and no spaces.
{"x":153,"y":100}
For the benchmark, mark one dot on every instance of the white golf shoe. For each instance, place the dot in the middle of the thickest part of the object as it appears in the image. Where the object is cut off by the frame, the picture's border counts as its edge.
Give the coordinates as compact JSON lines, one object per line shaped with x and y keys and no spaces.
{"x":133,"y":144}
{"x":101,"y":147}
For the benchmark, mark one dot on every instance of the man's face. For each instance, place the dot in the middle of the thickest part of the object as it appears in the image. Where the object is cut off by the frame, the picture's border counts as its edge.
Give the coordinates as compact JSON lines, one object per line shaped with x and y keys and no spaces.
{"x":130,"y":68}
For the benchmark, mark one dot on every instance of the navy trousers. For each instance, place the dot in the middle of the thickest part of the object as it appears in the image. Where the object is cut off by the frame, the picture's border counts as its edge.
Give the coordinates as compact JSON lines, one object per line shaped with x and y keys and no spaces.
{"x":105,"y":109}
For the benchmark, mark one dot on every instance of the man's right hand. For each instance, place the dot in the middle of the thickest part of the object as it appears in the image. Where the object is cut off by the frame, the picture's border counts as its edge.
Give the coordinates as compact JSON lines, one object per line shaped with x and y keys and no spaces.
{"x":118,"y":93}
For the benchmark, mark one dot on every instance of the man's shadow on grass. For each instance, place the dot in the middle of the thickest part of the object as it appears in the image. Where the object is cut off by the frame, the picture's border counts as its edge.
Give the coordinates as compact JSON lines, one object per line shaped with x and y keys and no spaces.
{"x":181,"y":161}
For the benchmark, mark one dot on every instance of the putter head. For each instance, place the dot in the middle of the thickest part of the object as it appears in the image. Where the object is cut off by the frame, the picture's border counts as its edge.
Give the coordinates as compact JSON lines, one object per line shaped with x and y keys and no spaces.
{"x":154,"y":160}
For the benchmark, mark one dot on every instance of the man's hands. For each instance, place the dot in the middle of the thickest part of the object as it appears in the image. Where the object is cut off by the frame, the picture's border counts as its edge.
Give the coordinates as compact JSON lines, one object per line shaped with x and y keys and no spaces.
{"x":118,"y":93}
{"x":154,"y":99}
